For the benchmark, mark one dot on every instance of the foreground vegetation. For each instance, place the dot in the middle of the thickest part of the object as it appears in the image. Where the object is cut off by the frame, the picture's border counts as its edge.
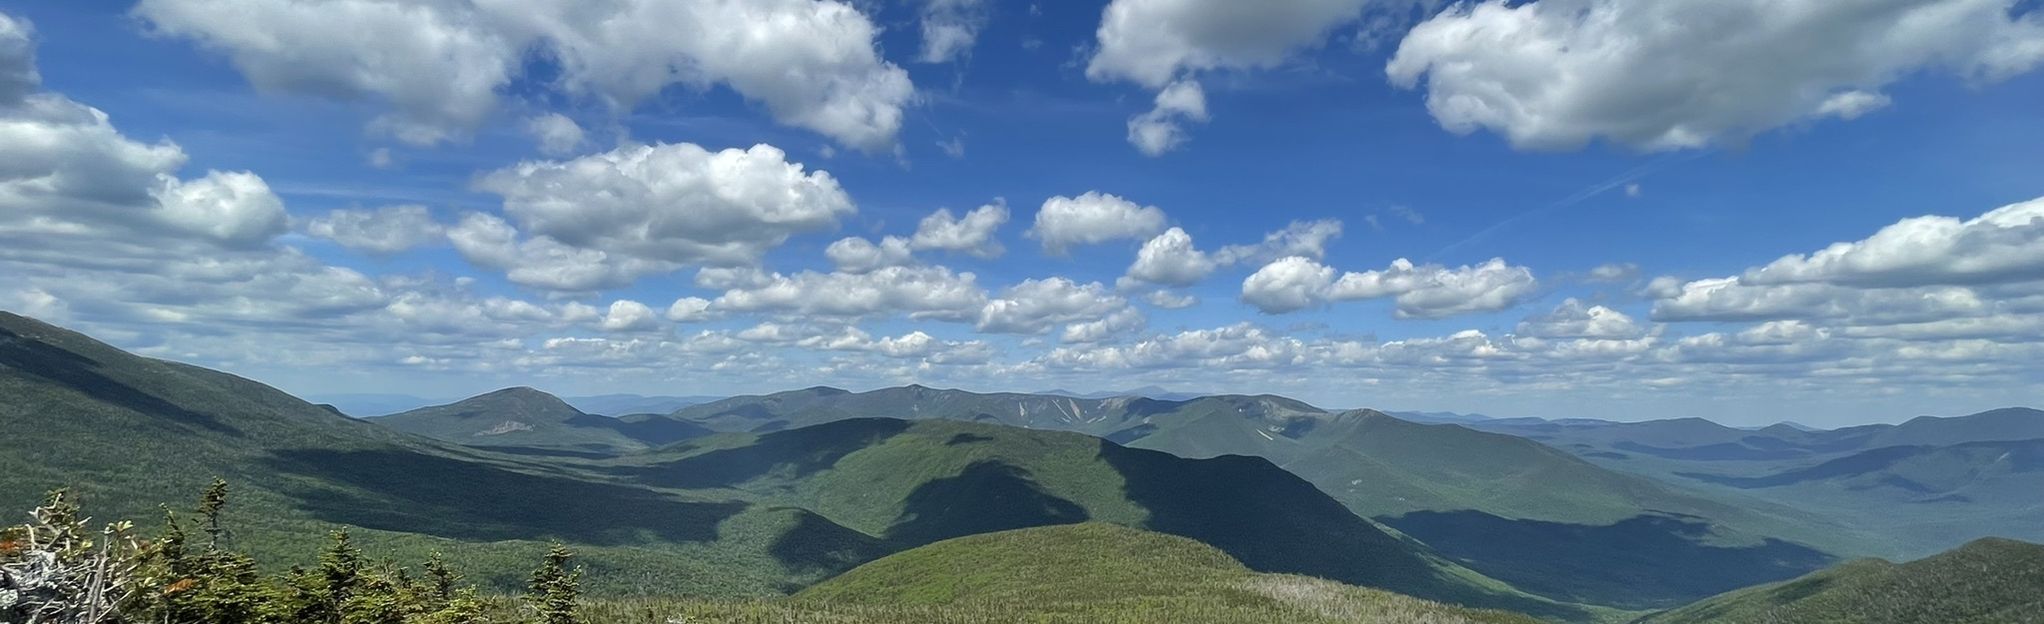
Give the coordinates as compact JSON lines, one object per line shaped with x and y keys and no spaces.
{"x":57,"y":569}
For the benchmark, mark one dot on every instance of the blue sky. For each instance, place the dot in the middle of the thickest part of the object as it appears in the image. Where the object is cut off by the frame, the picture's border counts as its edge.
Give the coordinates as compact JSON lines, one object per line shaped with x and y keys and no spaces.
{"x":1609,"y":171}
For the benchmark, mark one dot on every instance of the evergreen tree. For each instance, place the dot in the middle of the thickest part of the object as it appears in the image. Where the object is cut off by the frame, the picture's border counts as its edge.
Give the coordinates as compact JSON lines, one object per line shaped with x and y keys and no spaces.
{"x":211,"y":503}
{"x":554,"y":589}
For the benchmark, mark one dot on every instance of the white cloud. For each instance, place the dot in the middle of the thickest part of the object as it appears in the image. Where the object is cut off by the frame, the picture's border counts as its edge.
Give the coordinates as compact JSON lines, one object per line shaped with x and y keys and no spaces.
{"x":556,"y":133}
{"x":1236,"y":346}
{"x":1091,"y":219}
{"x":542,"y":262}
{"x":858,"y":255}
{"x":920,"y":292}
{"x":1420,"y":291}
{"x":1151,"y":42}
{"x":1036,"y":305}
{"x":438,"y":65}
{"x":18,"y":75}
{"x":70,"y":178}
{"x":1848,"y":105}
{"x":972,"y":234}
{"x":1614,"y":272}
{"x":913,"y":345}
{"x":1728,"y":299}
{"x":1922,"y":278}
{"x":650,"y":207}
{"x":232,"y":208}
{"x":1121,"y":322}
{"x":1169,"y":259}
{"x":1170,"y":301}
{"x":626,"y":315}
{"x":949,"y":28}
{"x":2004,"y":245}
{"x":385,"y":230}
{"x":1160,"y":130}
{"x":441,"y":65}
{"x":1674,"y":74}
{"x":1288,"y":284}
{"x":1300,"y":238}
{"x":689,"y":309}
{"x":1573,"y":319}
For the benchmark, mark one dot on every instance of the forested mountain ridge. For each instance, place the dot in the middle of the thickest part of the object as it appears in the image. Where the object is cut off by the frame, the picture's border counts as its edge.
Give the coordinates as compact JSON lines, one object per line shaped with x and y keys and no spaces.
{"x":727,"y":515}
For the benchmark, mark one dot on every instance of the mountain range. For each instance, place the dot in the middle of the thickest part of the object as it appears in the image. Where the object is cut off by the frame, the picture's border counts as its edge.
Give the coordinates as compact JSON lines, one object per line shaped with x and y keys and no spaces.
{"x":735,"y":514}
{"x":1920,"y":487}
{"x":839,"y":496}
{"x":1458,"y":487}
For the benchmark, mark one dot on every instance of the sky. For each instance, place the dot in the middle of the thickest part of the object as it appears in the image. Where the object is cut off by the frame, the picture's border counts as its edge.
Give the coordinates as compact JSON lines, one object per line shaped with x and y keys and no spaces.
{"x":1826,"y":211}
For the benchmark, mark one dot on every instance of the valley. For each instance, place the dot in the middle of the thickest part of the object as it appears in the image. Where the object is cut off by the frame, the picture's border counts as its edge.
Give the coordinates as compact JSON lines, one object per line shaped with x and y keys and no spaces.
{"x":1238,"y":507}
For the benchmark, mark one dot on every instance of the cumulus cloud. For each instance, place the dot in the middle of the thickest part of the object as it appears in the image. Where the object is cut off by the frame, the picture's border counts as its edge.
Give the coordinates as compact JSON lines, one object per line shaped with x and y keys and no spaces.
{"x":440,"y":66}
{"x":858,"y":255}
{"x":1573,"y":319}
{"x":913,"y":345}
{"x":1242,"y":345}
{"x":1555,"y":74}
{"x":689,"y":309}
{"x":385,"y":230}
{"x":18,"y":75}
{"x":1160,"y":130}
{"x":2004,"y":245}
{"x":1307,"y":239}
{"x":1922,"y":278}
{"x":1170,"y":260}
{"x":1151,"y":42}
{"x":1420,"y":291}
{"x":71,"y":178}
{"x":919,"y":292}
{"x":1113,"y":325}
{"x":656,"y":207}
{"x":972,"y":234}
{"x":626,"y":315}
{"x":556,"y":133}
{"x":545,"y":263}
{"x":1036,"y":305}
{"x":1091,"y":219}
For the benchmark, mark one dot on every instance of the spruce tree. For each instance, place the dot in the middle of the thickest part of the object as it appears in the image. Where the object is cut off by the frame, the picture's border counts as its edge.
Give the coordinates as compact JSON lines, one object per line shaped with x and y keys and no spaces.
{"x":211,"y":503}
{"x":554,"y":589}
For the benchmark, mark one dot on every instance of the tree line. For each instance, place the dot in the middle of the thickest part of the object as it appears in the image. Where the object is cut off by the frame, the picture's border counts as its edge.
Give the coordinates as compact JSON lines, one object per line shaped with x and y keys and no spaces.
{"x":56,"y":569}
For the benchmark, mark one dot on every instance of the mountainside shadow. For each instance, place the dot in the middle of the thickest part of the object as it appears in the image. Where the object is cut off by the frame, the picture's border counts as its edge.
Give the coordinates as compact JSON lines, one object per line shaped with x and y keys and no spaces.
{"x":1724,"y":451}
{"x":398,"y":490}
{"x":1848,"y":466}
{"x":1273,"y":521}
{"x":80,"y":373}
{"x":1647,"y":561}
{"x":987,"y":496}
{"x":799,"y":452}
{"x":653,"y":431}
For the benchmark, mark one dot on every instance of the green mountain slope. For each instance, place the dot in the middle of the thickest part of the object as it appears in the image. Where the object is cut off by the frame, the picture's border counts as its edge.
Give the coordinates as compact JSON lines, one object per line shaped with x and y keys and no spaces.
{"x":525,"y":418}
{"x":1585,"y":527}
{"x":1989,"y":581}
{"x":726,"y":515}
{"x":1920,"y":494}
{"x":914,"y":483}
{"x":1106,"y":572}
{"x":129,"y":434}
{"x":1909,"y":490}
